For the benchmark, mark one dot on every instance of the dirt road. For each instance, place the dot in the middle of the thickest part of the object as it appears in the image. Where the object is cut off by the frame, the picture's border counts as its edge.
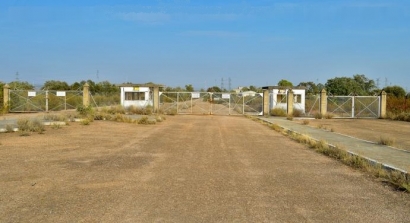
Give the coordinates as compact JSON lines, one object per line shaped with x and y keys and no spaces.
{"x":186,"y":169}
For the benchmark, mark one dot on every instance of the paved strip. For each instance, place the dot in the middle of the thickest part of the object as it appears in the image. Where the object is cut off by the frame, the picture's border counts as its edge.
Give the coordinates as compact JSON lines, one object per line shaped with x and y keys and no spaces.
{"x":389,"y":156}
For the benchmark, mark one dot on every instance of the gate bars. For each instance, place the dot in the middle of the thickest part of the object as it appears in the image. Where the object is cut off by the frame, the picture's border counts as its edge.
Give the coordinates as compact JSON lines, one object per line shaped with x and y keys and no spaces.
{"x":210,"y":103}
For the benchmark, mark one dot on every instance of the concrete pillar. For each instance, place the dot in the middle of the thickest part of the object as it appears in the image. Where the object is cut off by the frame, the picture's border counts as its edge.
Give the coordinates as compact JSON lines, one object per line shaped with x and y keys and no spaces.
{"x":289,"y":103}
{"x":156,"y":99}
{"x":323,"y":102}
{"x":383,"y":105}
{"x":86,"y":94}
{"x":6,"y":99}
{"x":266,"y":102}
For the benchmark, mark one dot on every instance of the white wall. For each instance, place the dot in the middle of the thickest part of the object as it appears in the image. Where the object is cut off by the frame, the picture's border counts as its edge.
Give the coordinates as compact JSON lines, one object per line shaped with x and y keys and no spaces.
{"x":276,"y":103}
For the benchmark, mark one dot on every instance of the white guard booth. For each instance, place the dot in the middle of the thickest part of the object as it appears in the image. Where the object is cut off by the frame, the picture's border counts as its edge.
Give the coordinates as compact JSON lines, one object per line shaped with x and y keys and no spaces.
{"x":136,"y":95}
{"x":279,"y":94}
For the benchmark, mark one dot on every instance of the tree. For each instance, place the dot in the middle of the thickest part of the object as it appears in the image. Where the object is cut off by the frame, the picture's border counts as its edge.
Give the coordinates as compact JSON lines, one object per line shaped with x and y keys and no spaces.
{"x":21,"y":85}
{"x":395,"y":90}
{"x":358,"y":85}
{"x":311,"y":88}
{"x":214,"y":89}
{"x":367,"y":86}
{"x":106,"y":88}
{"x":189,"y":88}
{"x":76,"y":86}
{"x":55,"y":85}
{"x":285,"y":83}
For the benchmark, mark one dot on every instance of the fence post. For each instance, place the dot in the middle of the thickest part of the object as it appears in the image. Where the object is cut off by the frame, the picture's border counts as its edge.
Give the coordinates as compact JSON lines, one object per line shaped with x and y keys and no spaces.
{"x":323,"y":102}
{"x":86,"y":94}
{"x":6,"y":97}
{"x":266,"y":102}
{"x":383,"y":105}
{"x":156,"y":99}
{"x":289,"y":103}
{"x":46,"y":101}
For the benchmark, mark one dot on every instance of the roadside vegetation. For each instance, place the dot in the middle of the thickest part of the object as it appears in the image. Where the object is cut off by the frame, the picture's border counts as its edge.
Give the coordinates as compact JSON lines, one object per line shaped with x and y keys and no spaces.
{"x":395,"y":178}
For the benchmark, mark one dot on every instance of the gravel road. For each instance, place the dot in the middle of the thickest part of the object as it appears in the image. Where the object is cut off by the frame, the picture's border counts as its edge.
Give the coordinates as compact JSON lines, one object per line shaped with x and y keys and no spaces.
{"x":186,"y":169}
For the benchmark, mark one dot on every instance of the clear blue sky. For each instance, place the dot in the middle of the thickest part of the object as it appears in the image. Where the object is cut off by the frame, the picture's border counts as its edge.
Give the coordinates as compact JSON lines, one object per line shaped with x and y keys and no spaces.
{"x":178,"y":42}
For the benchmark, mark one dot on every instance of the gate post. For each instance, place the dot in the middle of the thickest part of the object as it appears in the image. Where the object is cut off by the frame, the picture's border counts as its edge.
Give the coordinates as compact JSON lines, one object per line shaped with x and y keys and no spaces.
{"x":383,"y":104}
{"x":265,"y":102}
{"x":323,"y":102}
{"x":156,"y":99}
{"x":46,"y":100}
{"x":6,"y":97}
{"x":289,"y":103}
{"x":86,"y":94}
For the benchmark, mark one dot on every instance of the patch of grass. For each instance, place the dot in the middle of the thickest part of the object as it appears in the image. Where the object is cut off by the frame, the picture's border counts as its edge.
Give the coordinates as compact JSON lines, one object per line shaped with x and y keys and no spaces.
{"x":56,"y":126}
{"x":143,"y":120}
{"x":85,"y":111}
{"x":289,"y":117}
{"x":386,"y":141}
{"x":305,"y":122}
{"x":9,"y":128}
{"x":278,"y":112}
{"x":85,"y":121}
{"x":297,"y":113}
{"x":329,"y":116}
{"x":54,"y":117}
{"x":318,"y":116}
{"x":27,"y":125}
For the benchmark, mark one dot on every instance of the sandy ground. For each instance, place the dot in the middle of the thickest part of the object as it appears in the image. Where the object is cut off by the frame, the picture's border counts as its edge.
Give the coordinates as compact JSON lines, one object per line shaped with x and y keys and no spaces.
{"x":186,"y":169}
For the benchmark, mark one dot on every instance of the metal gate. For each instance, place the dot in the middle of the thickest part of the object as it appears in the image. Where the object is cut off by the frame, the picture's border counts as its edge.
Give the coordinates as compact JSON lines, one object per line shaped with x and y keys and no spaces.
{"x":354,"y":106}
{"x":210,"y":103}
{"x":42,"y":101}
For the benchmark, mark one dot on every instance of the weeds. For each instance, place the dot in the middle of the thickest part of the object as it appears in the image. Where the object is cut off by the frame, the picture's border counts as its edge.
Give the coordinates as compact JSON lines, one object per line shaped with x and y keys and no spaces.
{"x":329,"y":116}
{"x":85,"y":121}
{"x":297,"y":113}
{"x":318,"y":116}
{"x":278,"y":112}
{"x":305,"y":122}
{"x":9,"y":128}
{"x":386,"y":141}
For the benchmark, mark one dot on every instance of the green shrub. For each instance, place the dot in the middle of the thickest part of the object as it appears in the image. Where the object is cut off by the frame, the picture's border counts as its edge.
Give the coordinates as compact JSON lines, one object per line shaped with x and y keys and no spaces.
{"x":85,"y":110}
{"x":278,"y":112}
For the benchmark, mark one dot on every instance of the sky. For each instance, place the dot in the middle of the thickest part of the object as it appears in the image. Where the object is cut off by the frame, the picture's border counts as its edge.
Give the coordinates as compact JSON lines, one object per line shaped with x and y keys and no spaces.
{"x":205,"y":43}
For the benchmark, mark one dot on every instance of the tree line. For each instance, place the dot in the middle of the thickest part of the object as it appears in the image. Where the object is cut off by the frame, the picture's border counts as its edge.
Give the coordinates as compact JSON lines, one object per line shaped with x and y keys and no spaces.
{"x":358,"y":84}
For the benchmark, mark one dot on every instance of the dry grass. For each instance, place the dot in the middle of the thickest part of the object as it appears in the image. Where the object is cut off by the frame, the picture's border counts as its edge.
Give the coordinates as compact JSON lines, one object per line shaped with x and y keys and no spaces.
{"x":386,"y":141}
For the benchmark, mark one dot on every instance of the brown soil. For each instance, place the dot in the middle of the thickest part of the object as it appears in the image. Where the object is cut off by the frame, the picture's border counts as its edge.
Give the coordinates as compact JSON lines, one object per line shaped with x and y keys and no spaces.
{"x":186,"y":169}
{"x":367,"y":129}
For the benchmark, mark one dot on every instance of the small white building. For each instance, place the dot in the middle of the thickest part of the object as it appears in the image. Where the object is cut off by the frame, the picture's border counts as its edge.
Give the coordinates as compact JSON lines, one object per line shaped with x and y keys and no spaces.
{"x":278,"y":97}
{"x":138,"y":95}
